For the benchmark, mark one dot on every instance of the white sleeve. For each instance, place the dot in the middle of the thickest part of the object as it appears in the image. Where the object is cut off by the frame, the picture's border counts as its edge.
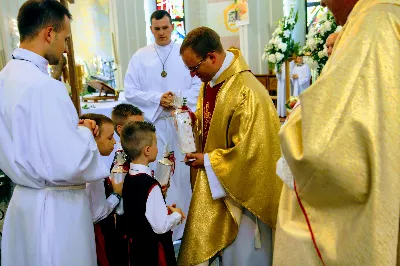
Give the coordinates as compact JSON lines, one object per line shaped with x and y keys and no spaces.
{"x":100,"y":206}
{"x":217,"y":191}
{"x":157,"y":213}
{"x":283,"y":171}
{"x":192,"y":93}
{"x":49,"y":144}
{"x":304,"y":75}
{"x":145,"y":99}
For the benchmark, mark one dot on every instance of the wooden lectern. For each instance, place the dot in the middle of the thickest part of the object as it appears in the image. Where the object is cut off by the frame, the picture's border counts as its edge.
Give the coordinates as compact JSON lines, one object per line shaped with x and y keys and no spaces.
{"x":102,"y":88}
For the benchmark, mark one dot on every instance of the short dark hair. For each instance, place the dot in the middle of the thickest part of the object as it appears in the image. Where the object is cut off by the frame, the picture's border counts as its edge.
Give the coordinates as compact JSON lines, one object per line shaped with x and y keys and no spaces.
{"x":99,"y":119}
{"x":135,"y":136}
{"x":122,"y":111}
{"x":202,"y":41}
{"x":160,"y":14}
{"x":34,"y":15}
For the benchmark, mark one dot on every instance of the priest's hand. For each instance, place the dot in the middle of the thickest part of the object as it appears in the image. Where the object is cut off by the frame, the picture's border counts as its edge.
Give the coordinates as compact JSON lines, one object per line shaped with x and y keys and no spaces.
{"x":195,"y":160}
{"x":167,"y":99}
{"x":295,"y":76}
{"x":90,"y":124}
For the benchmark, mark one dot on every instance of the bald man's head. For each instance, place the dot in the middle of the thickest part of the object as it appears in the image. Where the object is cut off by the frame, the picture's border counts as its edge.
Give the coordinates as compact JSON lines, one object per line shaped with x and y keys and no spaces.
{"x":330,"y":42}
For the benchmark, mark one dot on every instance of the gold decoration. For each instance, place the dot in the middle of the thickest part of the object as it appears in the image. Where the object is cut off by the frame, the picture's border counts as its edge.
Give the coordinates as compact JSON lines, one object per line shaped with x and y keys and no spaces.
{"x":342,"y":148}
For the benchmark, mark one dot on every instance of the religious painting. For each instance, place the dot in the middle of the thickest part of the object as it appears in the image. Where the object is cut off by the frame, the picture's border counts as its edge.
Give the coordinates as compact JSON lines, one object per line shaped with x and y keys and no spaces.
{"x":177,"y":11}
{"x":242,"y":12}
{"x":230,"y":18}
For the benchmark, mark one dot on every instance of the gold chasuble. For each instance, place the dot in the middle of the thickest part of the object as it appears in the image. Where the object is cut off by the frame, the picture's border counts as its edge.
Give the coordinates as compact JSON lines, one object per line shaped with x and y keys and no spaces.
{"x":342,"y":146}
{"x":243,"y":146}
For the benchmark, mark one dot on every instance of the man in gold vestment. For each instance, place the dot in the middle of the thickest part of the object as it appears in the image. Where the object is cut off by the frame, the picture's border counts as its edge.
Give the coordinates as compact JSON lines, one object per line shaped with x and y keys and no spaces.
{"x":236,"y":192}
{"x":342,"y":145}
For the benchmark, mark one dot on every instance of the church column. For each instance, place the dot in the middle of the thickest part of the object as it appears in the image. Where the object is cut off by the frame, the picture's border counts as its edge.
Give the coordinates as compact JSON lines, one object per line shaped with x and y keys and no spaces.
{"x":299,"y":32}
{"x":2,"y":52}
{"x":253,"y":37}
{"x":128,"y":27}
{"x":196,"y":14}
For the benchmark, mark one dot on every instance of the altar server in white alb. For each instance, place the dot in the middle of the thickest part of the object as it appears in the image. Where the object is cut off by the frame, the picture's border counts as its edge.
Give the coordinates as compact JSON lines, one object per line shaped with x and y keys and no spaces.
{"x":155,"y":74}
{"x":45,"y":149}
{"x":301,"y":76}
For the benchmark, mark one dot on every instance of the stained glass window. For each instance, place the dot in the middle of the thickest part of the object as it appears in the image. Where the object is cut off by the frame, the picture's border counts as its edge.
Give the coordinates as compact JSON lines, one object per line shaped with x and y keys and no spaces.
{"x":314,"y":10}
{"x":177,"y":11}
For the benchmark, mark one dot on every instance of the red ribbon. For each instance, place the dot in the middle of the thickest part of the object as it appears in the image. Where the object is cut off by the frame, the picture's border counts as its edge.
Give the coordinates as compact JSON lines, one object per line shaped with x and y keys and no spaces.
{"x":308,"y":224}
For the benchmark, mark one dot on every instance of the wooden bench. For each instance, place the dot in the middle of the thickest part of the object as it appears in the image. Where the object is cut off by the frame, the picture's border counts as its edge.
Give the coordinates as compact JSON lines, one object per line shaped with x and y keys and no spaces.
{"x":271,"y":84}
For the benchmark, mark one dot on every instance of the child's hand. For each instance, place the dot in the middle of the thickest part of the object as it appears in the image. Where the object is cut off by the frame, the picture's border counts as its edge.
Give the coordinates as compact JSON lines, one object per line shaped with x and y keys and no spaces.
{"x":117,"y":187}
{"x":164,"y":189}
{"x":178,"y":210}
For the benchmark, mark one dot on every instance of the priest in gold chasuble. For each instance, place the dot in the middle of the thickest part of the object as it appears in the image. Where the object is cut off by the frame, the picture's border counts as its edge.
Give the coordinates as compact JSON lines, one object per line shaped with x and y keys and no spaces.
{"x":236,"y":192}
{"x":342,"y":147}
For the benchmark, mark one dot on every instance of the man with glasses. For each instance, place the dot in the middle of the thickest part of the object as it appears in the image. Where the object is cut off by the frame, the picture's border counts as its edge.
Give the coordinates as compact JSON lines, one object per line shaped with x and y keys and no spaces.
{"x":155,"y":75}
{"x":237,"y":191}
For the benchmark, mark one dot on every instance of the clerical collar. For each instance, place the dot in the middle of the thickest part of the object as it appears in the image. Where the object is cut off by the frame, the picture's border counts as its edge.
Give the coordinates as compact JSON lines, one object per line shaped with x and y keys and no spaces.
{"x":300,"y":64}
{"x":26,"y":55}
{"x":164,"y":46}
{"x":227,"y":62}
{"x":136,"y":169}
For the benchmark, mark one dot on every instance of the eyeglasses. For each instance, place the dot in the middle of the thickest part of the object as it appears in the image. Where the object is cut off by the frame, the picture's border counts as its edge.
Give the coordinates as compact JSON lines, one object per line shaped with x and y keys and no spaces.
{"x":193,"y":69}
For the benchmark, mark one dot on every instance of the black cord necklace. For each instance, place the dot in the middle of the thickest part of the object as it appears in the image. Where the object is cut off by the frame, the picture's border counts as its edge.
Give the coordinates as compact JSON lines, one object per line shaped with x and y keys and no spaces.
{"x":15,"y":58}
{"x":164,"y":73}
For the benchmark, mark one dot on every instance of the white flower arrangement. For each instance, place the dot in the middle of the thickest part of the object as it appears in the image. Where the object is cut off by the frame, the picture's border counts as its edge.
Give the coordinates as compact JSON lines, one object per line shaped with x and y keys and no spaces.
{"x":315,"y":51}
{"x":281,"y":46}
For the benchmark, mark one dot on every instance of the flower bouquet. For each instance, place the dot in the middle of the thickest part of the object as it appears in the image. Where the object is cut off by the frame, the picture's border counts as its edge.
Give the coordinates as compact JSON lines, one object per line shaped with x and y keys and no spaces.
{"x":315,"y":50}
{"x":281,"y":46}
{"x":290,"y":104}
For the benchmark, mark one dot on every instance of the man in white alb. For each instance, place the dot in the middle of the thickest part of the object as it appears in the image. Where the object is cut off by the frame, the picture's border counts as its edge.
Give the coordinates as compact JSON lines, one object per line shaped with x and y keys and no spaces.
{"x":44,"y":151}
{"x":155,"y":74}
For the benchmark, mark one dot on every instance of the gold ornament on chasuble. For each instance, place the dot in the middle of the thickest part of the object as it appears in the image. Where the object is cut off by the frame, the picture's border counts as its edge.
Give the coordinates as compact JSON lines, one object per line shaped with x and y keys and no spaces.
{"x":243,"y":147}
{"x":342,"y":148}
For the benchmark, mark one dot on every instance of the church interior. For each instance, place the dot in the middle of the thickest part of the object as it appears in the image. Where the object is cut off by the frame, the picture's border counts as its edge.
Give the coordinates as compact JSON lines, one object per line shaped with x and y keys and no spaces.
{"x":107,"y":33}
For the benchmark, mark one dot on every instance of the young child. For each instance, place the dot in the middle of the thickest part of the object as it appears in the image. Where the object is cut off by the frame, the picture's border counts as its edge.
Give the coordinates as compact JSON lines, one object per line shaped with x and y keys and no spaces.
{"x":147,"y":219}
{"x":122,"y":114}
{"x":102,"y":204}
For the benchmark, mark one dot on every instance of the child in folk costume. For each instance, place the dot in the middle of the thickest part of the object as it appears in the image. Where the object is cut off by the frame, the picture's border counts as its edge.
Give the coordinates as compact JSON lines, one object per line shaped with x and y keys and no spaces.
{"x":102,"y":206}
{"x":147,"y":219}
{"x":122,"y":114}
